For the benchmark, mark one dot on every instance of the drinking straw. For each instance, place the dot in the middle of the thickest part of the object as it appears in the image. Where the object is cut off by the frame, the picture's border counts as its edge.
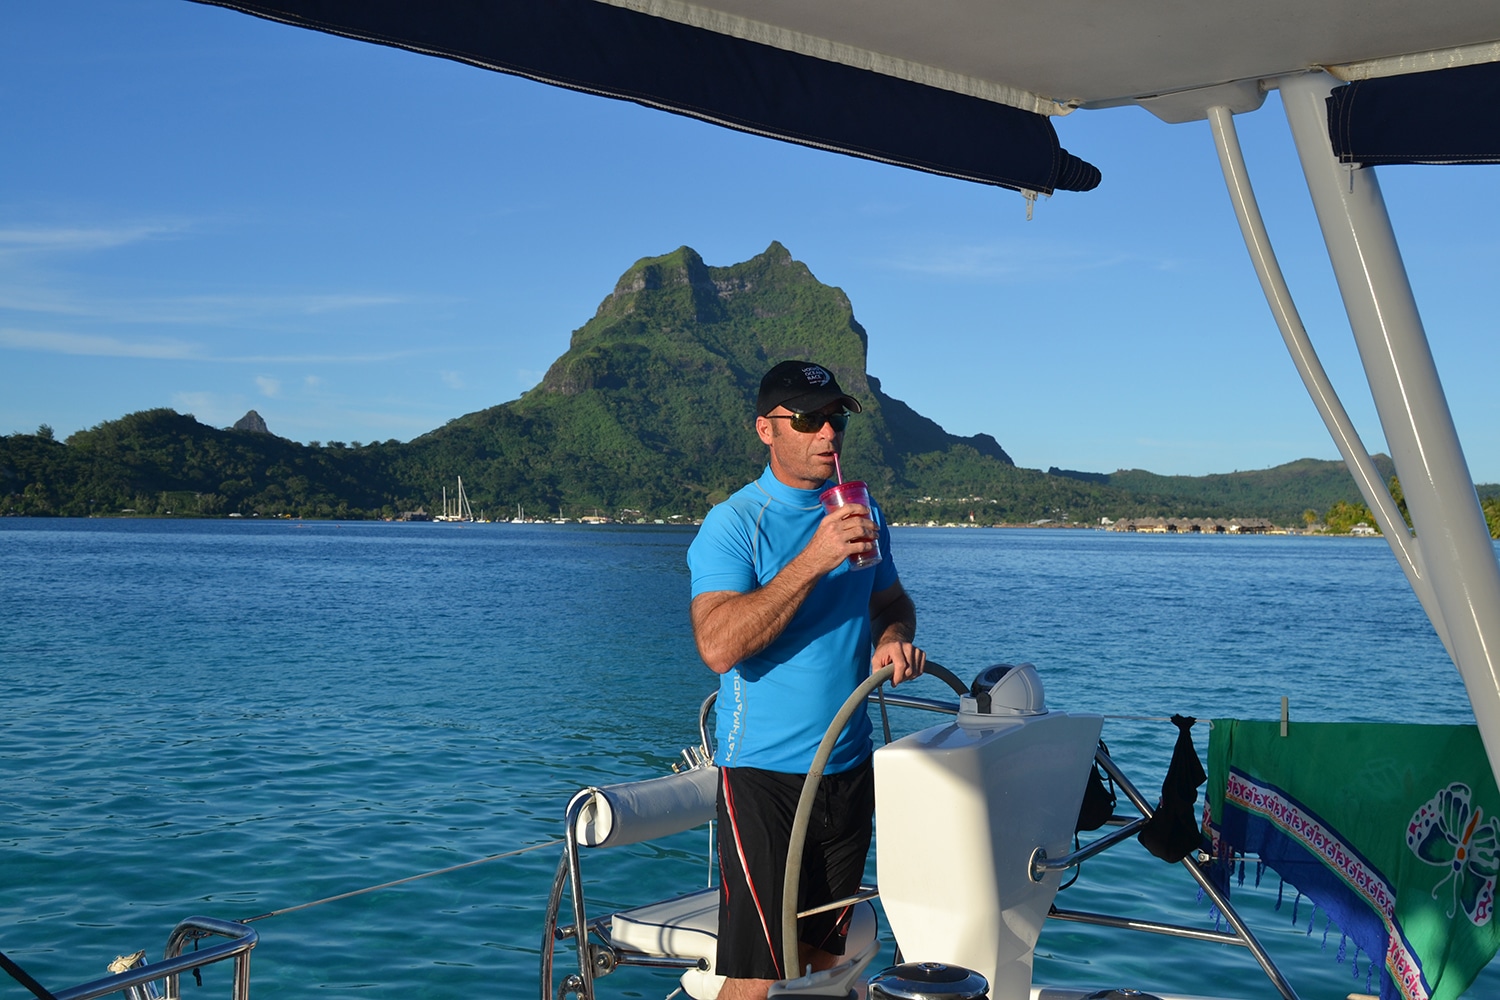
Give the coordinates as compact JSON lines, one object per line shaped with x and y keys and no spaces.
{"x":837,"y":469}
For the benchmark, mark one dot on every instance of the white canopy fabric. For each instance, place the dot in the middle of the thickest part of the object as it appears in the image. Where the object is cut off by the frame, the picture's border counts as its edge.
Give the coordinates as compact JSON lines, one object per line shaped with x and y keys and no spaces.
{"x":1092,"y":53}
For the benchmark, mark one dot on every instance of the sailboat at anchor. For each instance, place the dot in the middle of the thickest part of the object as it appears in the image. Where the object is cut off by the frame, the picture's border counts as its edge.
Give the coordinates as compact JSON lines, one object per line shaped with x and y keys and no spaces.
{"x":458,"y":509}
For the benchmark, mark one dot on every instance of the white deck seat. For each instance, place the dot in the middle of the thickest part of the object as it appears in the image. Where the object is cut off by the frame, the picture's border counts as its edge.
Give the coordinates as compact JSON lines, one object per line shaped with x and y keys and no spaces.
{"x":688,"y":927}
{"x":685,"y":927}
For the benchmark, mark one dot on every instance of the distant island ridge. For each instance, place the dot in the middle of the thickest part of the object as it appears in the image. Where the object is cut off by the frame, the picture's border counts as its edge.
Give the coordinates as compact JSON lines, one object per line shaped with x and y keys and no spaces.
{"x":648,"y":415}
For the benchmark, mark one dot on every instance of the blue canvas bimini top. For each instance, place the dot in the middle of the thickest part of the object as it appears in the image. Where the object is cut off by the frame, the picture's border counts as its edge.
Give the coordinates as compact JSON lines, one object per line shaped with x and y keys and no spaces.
{"x":774,"y":707}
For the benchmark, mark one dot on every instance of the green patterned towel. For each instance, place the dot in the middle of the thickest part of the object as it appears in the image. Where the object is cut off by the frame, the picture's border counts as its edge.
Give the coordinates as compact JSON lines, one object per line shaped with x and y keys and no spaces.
{"x":1391,"y":829}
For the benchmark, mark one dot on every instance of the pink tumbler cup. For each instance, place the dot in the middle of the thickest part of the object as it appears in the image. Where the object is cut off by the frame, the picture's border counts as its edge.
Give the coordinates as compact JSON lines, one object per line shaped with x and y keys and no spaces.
{"x":854,"y":491}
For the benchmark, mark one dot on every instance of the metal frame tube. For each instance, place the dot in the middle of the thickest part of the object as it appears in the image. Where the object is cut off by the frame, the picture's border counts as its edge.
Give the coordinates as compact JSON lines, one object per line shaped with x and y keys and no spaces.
{"x":1148,"y":926}
{"x":1314,"y":377}
{"x":549,"y":926}
{"x":703,"y":710}
{"x":659,"y":961}
{"x":1408,"y":394}
{"x":575,"y":883}
{"x":198,"y":927}
{"x":1041,"y":865}
{"x":925,"y":704}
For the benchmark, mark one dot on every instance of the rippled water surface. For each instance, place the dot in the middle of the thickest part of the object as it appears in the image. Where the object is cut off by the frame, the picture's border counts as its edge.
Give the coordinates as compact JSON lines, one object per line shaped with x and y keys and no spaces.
{"x":230,"y":718}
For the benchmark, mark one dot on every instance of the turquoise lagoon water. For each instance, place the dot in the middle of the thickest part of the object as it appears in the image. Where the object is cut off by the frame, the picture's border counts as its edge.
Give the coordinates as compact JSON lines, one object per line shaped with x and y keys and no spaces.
{"x":228,"y":718}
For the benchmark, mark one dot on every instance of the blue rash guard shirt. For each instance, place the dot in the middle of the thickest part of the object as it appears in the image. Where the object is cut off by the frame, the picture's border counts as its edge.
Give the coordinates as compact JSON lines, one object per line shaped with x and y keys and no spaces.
{"x":774,"y":707}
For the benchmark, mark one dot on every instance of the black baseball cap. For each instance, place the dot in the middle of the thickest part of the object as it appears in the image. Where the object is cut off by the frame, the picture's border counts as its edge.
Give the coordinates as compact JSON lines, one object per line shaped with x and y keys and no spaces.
{"x":801,"y":387}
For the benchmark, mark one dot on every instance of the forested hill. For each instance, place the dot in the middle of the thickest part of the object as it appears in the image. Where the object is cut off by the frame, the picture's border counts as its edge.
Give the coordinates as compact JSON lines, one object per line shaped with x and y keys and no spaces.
{"x":1280,"y":492}
{"x":649,"y":411}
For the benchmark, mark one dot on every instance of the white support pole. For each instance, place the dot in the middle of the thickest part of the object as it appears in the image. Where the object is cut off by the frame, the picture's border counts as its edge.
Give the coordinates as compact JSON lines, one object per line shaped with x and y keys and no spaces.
{"x":1455,"y":543}
{"x":1314,"y":378}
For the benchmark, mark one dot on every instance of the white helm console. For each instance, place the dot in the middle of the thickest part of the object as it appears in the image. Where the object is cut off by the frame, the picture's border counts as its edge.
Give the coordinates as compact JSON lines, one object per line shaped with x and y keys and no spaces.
{"x":982,"y":793}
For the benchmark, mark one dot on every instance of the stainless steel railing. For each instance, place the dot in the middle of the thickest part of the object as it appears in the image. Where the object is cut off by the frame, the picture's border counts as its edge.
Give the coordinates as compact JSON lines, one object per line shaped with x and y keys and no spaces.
{"x":1240,"y":933}
{"x":241,"y":939}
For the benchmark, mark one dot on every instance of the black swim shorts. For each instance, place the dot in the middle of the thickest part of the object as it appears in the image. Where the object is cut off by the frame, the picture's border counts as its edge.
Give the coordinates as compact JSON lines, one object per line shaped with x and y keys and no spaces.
{"x":756,"y":809}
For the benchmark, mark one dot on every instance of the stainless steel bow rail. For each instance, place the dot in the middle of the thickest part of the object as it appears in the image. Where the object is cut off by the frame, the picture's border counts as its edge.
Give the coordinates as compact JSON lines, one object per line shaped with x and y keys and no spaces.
{"x":135,"y":982}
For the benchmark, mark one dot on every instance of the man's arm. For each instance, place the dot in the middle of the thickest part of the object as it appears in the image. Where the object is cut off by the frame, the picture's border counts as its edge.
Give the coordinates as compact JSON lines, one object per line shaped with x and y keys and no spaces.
{"x":729,"y":626}
{"x":893,"y":623}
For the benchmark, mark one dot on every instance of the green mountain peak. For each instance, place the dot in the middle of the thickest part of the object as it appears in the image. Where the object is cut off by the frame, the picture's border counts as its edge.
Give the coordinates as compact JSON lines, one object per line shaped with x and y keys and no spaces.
{"x":661,"y":382}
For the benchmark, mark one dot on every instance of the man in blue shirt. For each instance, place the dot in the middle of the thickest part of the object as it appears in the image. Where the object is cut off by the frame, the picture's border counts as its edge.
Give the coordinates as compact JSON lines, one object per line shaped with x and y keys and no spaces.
{"x":781,"y":614}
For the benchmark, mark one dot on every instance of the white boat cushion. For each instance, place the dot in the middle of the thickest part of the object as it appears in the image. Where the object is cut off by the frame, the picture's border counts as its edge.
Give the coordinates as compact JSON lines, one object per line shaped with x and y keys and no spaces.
{"x":637,"y":811}
{"x":688,"y":927}
{"x":685,"y":927}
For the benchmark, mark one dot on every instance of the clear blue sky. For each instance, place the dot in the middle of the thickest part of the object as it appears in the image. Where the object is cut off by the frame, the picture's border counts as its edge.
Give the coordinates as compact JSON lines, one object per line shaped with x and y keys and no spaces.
{"x":206,"y":211}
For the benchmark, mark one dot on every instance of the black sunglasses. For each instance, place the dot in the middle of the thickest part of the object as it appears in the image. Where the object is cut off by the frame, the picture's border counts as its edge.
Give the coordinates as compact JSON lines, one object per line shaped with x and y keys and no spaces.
{"x":811,"y":423}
